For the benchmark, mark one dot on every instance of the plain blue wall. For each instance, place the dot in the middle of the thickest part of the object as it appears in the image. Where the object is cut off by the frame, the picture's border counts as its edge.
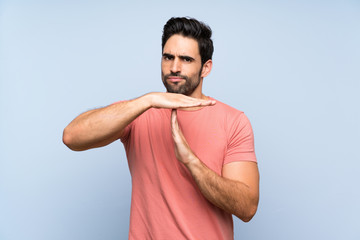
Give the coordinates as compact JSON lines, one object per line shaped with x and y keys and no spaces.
{"x":292,"y":66}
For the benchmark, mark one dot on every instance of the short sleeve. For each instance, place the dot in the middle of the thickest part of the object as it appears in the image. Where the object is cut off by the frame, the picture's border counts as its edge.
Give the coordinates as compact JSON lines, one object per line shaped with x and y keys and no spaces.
{"x":240,"y":145}
{"x":125,"y":135}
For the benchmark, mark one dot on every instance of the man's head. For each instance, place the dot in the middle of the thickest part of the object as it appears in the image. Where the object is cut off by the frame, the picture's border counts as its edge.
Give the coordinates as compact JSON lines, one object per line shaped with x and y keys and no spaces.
{"x":191,"y":28}
{"x":187,"y":51}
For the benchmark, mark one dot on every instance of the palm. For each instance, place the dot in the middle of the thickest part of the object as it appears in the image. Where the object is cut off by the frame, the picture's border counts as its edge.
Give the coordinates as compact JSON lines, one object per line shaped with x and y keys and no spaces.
{"x":174,"y":101}
{"x":183,"y":151}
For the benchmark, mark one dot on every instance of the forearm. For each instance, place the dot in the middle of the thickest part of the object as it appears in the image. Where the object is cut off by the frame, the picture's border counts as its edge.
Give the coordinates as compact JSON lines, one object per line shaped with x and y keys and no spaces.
{"x":102,"y":126}
{"x":99,"y":127}
{"x":232,"y":196}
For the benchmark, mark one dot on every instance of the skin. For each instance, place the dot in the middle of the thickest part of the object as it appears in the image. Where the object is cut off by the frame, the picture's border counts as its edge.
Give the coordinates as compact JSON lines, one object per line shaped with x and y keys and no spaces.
{"x":174,"y":81}
{"x":181,"y":56}
{"x":236,"y":190}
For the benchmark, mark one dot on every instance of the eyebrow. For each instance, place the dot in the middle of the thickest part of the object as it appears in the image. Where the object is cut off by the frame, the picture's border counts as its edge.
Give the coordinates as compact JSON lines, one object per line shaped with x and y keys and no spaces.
{"x":181,"y":56}
{"x":167,"y":55}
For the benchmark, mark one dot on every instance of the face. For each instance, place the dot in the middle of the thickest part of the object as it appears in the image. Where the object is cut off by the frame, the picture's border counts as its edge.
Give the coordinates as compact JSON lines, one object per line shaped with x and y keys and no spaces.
{"x":181,"y":69}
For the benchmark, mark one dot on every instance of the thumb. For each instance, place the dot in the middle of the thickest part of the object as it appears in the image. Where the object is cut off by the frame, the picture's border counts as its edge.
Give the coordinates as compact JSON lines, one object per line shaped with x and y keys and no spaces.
{"x":174,"y":119}
{"x":175,"y":129}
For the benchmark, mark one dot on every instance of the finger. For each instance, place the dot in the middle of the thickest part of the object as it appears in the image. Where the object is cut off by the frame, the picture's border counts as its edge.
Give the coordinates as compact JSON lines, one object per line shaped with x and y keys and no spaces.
{"x":175,"y":128}
{"x":173,"y":117}
{"x":208,"y":103}
{"x":174,"y":123}
{"x":198,"y":102}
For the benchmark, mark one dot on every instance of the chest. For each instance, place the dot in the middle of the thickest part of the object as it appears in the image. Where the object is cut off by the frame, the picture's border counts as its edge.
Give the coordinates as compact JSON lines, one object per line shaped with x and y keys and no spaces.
{"x":205,"y":135}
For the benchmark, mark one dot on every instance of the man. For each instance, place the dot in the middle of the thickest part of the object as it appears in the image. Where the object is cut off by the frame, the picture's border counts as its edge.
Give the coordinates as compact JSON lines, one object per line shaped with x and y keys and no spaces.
{"x":191,"y":158}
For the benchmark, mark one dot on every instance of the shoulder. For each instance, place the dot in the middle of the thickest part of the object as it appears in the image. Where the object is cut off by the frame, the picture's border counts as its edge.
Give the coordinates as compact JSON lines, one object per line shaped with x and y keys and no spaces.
{"x":227,"y":110}
{"x":233,"y":119}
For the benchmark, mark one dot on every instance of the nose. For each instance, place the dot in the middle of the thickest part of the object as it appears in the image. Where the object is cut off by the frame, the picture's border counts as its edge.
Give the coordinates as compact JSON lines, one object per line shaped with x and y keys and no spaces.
{"x":175,"y":66}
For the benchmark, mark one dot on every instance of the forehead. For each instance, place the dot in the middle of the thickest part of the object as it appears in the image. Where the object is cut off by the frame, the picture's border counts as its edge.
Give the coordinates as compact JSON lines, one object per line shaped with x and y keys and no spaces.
{"x":180,"y":45}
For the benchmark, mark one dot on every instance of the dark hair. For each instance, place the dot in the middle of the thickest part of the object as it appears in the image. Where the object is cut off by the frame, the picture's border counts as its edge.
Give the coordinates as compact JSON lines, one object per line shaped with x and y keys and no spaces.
{"x":190,"y":27}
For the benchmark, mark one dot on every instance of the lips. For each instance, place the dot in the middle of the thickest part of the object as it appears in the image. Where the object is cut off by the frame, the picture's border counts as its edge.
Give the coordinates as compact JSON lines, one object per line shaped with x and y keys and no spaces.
{"x":175,"y":79}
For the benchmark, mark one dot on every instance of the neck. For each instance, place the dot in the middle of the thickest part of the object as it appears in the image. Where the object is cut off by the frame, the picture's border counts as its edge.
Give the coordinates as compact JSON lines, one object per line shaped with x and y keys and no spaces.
{"x":198,"y":92}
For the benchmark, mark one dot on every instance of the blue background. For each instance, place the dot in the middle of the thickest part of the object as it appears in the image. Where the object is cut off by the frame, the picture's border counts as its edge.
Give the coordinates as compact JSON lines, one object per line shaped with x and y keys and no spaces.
{"x":291,"y":66}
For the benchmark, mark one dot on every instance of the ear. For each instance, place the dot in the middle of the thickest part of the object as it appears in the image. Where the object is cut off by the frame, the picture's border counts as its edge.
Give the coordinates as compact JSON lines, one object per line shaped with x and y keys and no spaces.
{"x":206,"y":69}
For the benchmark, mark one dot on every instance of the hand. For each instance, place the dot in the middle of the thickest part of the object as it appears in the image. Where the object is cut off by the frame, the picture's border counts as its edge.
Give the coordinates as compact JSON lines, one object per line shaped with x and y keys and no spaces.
{"x":175,"y":101}
{"x":183,"y":151}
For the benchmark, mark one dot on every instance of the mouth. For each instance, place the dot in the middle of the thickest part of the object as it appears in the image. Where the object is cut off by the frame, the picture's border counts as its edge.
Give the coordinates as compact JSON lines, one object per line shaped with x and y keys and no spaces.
{"x":175,"y":79}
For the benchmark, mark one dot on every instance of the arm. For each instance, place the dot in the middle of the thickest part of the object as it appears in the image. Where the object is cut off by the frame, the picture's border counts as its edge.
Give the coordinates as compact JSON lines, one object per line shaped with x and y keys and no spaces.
{"x":236,"y":191}
{"x":99,"y":127}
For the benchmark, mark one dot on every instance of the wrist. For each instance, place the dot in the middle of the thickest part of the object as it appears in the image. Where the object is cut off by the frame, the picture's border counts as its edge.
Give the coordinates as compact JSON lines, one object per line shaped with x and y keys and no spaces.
{"x":148,"y":100}
{"x":192,"y":162}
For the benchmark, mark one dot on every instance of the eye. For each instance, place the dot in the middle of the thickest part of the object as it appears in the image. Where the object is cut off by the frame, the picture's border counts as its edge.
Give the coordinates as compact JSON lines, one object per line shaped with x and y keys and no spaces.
{"x":168,"y":57}
{"x":186,"y":59}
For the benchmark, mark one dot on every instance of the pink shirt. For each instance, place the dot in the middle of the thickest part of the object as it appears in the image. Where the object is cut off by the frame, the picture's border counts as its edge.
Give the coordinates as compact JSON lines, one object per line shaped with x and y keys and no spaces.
{"x":166,"y":202}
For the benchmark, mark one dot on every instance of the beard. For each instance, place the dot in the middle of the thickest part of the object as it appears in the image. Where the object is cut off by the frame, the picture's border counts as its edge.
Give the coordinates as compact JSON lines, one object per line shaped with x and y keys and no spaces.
{"x":186,"y":88}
